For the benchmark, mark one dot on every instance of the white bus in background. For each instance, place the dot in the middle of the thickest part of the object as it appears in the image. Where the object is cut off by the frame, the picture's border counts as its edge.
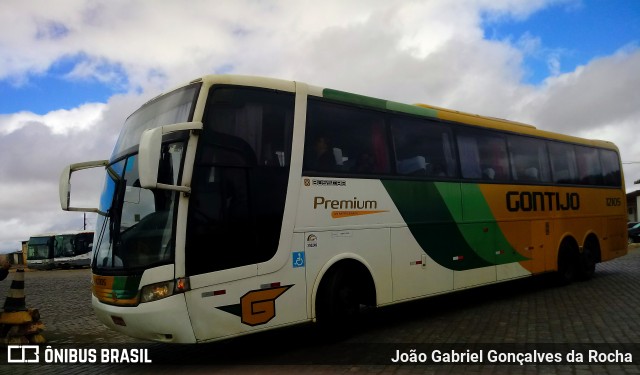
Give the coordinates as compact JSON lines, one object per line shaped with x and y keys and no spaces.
{"x":40,"y":250}
{"x":73,"y":249}
{"x":60,"y":250}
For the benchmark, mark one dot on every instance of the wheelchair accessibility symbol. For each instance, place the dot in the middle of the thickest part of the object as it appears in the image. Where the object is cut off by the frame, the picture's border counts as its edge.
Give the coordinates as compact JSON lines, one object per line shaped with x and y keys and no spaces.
{"x":298,"y":259}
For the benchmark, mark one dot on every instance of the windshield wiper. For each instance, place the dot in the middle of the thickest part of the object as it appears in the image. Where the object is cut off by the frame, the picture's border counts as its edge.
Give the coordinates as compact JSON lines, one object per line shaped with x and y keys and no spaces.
{"x":113,"y":174}
{"x":115,"y":212}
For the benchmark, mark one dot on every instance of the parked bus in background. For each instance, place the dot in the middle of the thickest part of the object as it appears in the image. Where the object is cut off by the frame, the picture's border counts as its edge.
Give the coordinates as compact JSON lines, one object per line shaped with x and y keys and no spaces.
{"x":40,"y":250}
{"x":236,"y":204}
{"x":73,"y":249}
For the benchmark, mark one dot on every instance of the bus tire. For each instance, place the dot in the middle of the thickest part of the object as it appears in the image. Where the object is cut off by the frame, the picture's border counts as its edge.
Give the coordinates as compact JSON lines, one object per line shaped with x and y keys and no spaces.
{"x":567,"y":262}
{"x":588,"y":259}
{"x":342,"y":292}
{"x":337,"y":301}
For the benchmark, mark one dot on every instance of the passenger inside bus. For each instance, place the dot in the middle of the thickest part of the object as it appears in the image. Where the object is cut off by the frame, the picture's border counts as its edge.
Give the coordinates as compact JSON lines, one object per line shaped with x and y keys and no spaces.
{"x":323,"y":159}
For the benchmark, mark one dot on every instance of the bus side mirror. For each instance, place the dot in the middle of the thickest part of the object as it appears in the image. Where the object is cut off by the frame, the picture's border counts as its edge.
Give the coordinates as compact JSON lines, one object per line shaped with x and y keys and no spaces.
{"x":65,"y":184}
{"x":149,"y":155}
{"x":64,"y":188}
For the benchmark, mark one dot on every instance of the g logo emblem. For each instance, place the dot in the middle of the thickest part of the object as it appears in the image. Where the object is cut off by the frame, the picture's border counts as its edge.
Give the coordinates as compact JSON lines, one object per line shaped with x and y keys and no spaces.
{"x":259,"y":306}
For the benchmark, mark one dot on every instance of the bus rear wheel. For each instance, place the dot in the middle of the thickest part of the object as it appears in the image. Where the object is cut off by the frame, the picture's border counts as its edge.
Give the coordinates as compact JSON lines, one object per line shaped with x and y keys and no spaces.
{"x":588,"y":260}
{"x":568,"y":263}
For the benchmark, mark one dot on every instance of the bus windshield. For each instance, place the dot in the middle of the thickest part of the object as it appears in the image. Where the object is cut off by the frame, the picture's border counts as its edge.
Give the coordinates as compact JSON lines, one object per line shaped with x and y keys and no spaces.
{"x":137,"y":231}
{"x":38,"y":248}
{"x":63,"y":246}
{"x":72,"y":244}
{"x":172,"y":108}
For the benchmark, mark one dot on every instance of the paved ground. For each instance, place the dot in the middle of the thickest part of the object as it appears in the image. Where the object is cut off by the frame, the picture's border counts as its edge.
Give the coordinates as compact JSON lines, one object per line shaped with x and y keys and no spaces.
{"x":532,"y":316}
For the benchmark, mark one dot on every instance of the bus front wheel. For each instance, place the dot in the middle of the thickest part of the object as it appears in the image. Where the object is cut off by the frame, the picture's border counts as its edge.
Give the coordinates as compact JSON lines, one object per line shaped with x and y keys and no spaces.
{"x":338,"y":304}
{"x":344,"y":291}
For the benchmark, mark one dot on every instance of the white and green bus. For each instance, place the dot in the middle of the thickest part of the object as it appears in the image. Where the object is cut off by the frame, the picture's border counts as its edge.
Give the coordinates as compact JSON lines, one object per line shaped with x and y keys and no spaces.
{"x":72,"y":249}
{"x":238,"y":204}
{"x":40,"y":248}
{"x":60,"y":250}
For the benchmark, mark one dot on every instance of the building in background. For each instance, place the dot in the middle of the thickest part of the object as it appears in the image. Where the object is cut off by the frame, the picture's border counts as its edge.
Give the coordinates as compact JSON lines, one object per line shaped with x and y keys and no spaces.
{"x":632,"y":205}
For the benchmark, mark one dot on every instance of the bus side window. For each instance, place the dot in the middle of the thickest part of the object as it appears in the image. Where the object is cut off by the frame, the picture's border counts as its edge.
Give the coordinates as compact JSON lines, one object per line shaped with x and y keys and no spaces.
{"x":610,"y":168}
{"x":422,"y":148}
{"x":529,"y":160}
{"x":563,"y":163}
{"x":469,"y":157}
{"x":372,"y":155}
{"x":588,"y":165}
{"x":483,"y":155}
{"x":344,"y":139}
{"x":320,"y":155}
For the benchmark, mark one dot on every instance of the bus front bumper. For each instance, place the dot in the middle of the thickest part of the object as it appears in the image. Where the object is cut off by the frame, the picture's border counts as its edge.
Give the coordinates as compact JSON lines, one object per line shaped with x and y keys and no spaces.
{"x":165,"y":320}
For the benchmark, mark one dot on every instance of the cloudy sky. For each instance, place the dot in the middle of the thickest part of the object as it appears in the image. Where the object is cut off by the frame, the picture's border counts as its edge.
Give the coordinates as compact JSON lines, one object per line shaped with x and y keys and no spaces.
{"x":72,"y":70}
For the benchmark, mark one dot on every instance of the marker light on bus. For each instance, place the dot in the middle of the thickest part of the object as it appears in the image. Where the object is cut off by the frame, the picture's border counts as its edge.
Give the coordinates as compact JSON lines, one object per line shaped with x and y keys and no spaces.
{"x":182,"y":285}
{"x":163,"y":289}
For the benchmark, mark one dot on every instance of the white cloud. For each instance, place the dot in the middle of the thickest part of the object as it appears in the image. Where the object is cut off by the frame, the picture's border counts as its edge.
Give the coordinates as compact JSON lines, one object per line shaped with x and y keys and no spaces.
{"x":35,"y":148}
{"x":185,"y":41}
{"x":593,"y":96}
{"x":61,"y":121}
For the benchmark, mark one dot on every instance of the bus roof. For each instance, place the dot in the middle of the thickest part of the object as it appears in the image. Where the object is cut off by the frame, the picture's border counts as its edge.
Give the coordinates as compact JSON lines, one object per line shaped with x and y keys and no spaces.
{"x":425,"y":110}
{"x":48,"y":234}
{"x":74,"y":232}
{"x":512,"y":126}
{"x":53,"y":234}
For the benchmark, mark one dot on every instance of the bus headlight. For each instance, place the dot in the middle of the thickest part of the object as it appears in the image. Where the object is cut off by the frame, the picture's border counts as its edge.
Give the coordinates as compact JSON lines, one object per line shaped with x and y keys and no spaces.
{"x":154,"y":292}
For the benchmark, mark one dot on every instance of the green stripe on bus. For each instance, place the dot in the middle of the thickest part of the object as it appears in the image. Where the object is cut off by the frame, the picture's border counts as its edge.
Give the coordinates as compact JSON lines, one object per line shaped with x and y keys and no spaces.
{"x":481,"y":215}
{"x":432,"y":212}
{"x":354,"y":98}
{"x":378,"y":103}
{"x":412,"y":109}
{"x":126,"y":287}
